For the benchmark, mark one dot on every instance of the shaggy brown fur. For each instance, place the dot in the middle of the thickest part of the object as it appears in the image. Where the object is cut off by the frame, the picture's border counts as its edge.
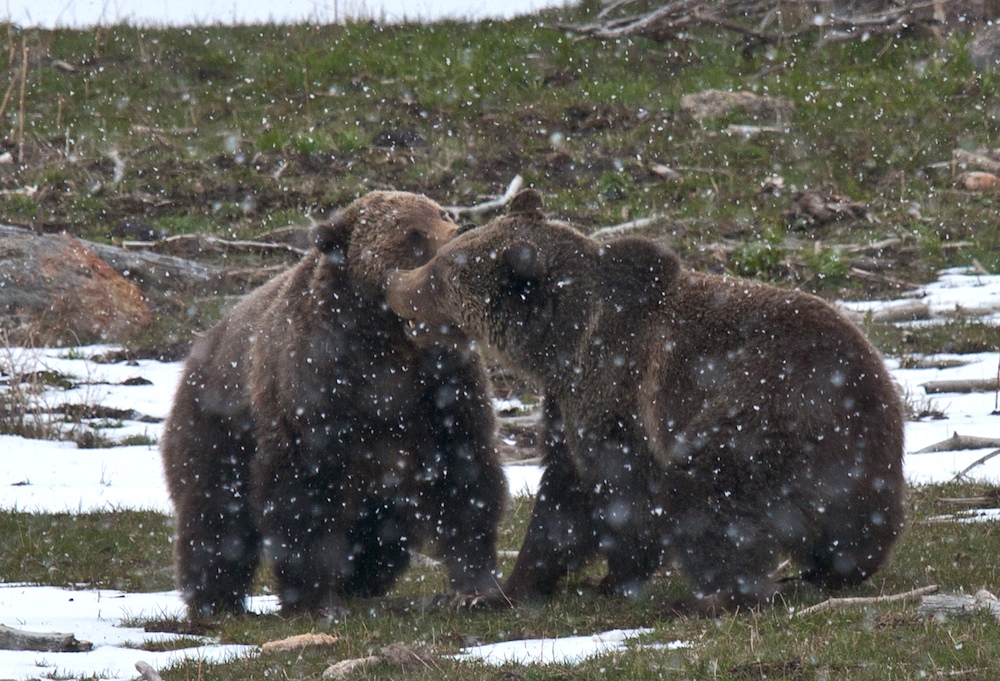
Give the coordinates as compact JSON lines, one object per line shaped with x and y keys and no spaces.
{"x":713,"y":422}
{"x":308,"y":425}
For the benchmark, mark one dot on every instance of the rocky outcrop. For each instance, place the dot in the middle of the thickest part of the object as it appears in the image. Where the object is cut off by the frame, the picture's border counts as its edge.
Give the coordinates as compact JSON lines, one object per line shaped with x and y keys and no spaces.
{"x":54,"y":290}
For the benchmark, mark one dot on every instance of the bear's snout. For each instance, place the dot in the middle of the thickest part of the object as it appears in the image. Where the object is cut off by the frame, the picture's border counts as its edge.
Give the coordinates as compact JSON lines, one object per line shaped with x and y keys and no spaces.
{"x":408,"y":293}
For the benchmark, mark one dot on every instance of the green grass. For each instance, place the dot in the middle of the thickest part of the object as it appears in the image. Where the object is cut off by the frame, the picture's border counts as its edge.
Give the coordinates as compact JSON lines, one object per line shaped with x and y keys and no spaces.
{"x":239,"y":131}
{"x":131,"y":551}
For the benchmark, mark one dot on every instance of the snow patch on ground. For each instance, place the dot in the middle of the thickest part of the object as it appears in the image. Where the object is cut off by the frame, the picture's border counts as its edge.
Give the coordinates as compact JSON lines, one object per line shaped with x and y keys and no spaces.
{"x":44,"y":476}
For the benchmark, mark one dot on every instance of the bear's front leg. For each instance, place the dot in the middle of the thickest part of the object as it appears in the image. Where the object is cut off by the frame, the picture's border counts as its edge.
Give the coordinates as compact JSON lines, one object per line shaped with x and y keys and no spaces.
{"x":470,"y":492}
{"x":306,"y":514}
{"x":561,"y":536}
{"x":622,"y":480}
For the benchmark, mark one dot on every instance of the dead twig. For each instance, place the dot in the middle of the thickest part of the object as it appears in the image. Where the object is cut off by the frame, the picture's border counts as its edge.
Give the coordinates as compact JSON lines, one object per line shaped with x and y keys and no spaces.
{"x":978,"y":462}
{"x":196,"y":243}
{"x":625,"y":227}
{"x":881,"y":279}
{"x":513,"y":188}
{"x":841,"y":603}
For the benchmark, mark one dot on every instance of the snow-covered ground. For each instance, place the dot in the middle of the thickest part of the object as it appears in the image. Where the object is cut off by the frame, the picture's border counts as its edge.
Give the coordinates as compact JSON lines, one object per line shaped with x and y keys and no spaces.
{"x":39,"y":476}
{"x":84,"y":13}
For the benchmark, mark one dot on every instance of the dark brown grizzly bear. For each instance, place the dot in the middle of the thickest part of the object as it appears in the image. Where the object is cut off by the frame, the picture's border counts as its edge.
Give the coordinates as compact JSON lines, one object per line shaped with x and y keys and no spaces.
{"x":714,"y":423}
{"x":307,"y":426}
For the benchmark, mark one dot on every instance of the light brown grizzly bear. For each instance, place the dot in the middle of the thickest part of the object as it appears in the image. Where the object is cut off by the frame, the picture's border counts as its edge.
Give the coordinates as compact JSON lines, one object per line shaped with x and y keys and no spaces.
{"x":714,"y":423}
{"x":306,"y":425}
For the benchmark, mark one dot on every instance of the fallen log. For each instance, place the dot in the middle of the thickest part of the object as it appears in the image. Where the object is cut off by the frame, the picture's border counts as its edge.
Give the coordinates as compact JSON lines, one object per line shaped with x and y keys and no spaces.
{"x":18,"y":639}
{"x":971,"y":385}
{"x":958,"y":442}
{"x":960,"y":605}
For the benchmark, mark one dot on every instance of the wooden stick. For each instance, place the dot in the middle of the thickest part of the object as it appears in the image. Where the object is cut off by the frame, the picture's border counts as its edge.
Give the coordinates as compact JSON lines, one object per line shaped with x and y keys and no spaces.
{"x":871,"y":276}
{"x":513,"y":188}
{"x":840,"y":603}
{"x":18,"y":639}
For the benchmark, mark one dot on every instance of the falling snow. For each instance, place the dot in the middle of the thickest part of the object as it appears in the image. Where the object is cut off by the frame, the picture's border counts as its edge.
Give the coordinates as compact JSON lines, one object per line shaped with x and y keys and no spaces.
{"x":47,"y":476}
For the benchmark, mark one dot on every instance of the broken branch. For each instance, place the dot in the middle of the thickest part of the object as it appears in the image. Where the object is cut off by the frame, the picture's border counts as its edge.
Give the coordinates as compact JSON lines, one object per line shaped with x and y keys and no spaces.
{"x":978,"y":462}
{"x":486,"y":207}
{"x":955,"y":605}
{"x":840,"y":603}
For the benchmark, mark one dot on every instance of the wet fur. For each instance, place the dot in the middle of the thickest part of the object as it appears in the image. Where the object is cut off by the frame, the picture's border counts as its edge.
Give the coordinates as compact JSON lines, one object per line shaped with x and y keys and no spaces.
{"x":712,"y":423}
{"x":307,"y":428}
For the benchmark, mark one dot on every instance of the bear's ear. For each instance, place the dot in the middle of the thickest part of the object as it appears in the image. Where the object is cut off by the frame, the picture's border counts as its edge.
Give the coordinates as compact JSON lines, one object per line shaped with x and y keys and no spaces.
{"x":638,"y":267}
{"x":521,"y":259}
{"x":334,"y":236}
{"x":527,"y":202}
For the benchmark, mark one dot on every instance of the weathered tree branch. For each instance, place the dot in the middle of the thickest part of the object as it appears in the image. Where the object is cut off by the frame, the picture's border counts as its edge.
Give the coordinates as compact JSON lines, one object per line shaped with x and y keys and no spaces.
{"x":513,"y":188}
{"x":198,"y":243}
{"x":957,"y":442}
{"x":18,"y":639}
{"x":667,"y":21}
{"x":841,"y":603}
{"x":958,"y":605}
{"x":971,"y":385}
{"x":978,"y":462}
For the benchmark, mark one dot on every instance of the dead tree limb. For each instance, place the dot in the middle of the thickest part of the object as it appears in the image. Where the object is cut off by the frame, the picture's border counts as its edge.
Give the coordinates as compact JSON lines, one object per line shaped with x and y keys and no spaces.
{"x":841,"y":603}
{"x":972,"y":385}
{"x":978,"y":462}
{"x":625,"y":227}
{"x":958,"y":442}
{"x":513,"y":188}
{"x":18,"y":639}
{"x":881,"y":279}
{"x":667,"y":21}
{"x":197,"y":243}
